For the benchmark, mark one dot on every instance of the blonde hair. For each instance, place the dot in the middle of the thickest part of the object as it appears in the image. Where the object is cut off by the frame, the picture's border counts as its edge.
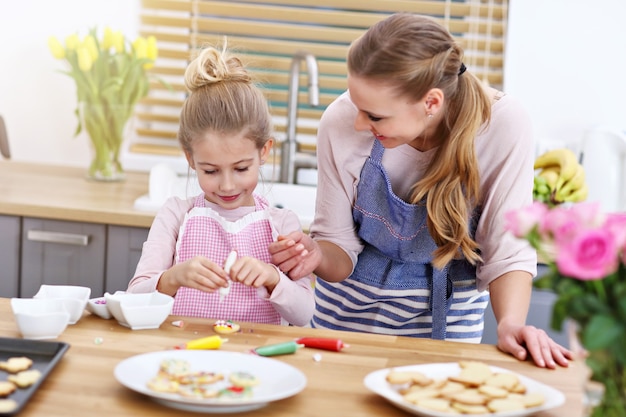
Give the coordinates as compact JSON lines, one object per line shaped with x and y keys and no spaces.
{"x":223,"y":98}
{"x":415,"y":54}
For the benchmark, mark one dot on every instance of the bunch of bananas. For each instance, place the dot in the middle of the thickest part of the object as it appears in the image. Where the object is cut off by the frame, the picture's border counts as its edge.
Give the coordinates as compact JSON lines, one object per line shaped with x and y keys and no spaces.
{"x":560,"y":178}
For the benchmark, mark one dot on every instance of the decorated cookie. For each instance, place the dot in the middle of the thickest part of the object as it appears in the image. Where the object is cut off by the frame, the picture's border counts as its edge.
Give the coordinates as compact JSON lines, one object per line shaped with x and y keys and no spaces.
{"x":225,"y":327}
{"x":243,"y":379}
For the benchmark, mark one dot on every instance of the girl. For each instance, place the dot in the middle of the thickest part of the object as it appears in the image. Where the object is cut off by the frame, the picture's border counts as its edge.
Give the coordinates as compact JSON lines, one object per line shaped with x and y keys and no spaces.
{"x":418,"y":162}
{"x":225,"y":133}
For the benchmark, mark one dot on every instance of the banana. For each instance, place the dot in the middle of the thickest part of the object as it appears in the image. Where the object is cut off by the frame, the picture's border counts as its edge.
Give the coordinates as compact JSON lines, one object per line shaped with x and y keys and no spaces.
{"x":562,"y":158}
{"x":578,"y":195}
{"x":551,"y":175}
{"x":572,"y":185}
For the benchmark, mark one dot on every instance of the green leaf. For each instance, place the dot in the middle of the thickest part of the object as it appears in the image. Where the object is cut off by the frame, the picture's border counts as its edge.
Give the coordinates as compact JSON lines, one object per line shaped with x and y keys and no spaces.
{"x":601,"y":332}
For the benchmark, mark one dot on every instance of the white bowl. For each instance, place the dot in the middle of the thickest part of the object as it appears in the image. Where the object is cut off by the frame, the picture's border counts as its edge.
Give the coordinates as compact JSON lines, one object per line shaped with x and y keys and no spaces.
{"x":140,"y":311}
{"x":74,"y":298}
{"x":98,"y":306}
{"x":40,"y":318}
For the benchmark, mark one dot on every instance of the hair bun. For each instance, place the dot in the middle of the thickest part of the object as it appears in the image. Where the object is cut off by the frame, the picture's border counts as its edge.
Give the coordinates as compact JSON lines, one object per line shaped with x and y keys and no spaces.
{"x":213,"y":66}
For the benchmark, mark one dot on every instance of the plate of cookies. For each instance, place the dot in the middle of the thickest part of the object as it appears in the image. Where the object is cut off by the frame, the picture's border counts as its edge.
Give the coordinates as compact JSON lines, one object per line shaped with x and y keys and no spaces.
{"x":465,"y":387}
{"x":210,"y":381}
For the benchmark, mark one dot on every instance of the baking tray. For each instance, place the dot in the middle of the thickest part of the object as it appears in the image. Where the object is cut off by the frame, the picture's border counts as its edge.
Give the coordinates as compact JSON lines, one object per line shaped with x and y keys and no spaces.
{"x":44,"y":354}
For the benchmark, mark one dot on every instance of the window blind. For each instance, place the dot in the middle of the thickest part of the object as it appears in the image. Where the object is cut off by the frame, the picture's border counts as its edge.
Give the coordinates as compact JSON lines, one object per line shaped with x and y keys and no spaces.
{"x":267,"y":33}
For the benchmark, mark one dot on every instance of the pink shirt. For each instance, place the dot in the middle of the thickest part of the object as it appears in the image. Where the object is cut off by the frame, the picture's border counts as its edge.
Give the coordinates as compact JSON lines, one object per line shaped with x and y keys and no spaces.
{"x":505,"y":152}
{"x":292,"y":299}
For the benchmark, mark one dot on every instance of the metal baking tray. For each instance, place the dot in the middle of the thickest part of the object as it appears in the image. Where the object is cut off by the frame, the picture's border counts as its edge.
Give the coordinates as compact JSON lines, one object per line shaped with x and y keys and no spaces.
{"x":44,"y":354}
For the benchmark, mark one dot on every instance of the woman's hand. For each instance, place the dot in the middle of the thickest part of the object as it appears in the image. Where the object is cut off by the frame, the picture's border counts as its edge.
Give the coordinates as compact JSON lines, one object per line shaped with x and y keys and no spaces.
{"x":198,"y":272}
{"x":520,"y":341}
{"x":254,"y":273}
{"x":296,"y":254}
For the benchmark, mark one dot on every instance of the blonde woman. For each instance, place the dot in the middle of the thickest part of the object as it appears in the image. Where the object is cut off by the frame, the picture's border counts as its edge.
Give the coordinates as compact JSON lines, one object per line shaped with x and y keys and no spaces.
{"x":418,"y":162}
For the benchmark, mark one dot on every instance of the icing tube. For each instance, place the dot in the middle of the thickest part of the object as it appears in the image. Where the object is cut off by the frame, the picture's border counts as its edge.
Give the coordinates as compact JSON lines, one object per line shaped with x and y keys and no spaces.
{"x":209,"y":342}
{"x":230,"y":261}
{"x":322,"y":343}
{"x":278,"y":349}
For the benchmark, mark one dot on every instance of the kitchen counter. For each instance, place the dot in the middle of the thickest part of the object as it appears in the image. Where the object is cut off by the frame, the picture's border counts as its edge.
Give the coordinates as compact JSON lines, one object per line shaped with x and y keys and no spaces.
{"x":83,"y":383}
{"x":64,"y":193}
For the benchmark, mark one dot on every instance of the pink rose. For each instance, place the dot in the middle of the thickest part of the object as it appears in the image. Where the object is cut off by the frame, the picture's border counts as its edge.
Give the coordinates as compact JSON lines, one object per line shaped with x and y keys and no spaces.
{"x":590,"y":255}
{"x":522,"y":221}
{"x":616,"y":224}
{"x":564,"y":223}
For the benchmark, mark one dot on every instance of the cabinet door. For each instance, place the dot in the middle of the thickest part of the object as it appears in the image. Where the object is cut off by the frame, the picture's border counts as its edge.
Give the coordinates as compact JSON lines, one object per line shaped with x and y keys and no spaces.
{"x":124,"y":245}
{"x":10,"y":255}
{"x":62,"y":253}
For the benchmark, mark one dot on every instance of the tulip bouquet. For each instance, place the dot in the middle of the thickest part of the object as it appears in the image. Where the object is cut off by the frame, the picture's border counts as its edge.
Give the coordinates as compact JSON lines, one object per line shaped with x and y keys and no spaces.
{"x":586,"y":252}
{"x":111,"y":76}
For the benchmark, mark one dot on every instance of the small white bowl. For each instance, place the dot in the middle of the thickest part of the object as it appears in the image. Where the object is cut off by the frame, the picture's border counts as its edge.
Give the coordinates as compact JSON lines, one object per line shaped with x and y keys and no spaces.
{"x":74,"y":298}
{"x":140,"y":311}
{"x":40,"y":318}
{"x":98,"y":306}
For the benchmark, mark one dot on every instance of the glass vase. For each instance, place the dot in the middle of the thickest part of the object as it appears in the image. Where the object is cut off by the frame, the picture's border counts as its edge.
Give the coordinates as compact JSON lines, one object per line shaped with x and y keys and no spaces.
{"x":604,"y":377}
{"x":106,"y":125}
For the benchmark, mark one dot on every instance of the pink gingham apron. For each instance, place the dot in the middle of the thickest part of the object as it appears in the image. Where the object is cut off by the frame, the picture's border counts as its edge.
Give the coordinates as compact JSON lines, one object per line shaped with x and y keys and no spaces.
{"x":204,"y":232}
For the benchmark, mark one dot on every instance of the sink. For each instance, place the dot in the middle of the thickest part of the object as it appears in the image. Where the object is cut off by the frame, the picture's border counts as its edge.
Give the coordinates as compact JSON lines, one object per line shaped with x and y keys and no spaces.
{"x":164,"y":182}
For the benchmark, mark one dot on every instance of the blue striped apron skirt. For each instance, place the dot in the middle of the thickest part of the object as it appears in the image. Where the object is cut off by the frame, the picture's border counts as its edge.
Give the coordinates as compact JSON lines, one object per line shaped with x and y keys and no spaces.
{"x":394,"y":288}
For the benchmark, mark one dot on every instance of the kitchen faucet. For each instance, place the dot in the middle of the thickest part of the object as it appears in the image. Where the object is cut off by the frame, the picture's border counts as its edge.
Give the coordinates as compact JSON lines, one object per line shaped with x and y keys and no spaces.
{"x":290,"y":160}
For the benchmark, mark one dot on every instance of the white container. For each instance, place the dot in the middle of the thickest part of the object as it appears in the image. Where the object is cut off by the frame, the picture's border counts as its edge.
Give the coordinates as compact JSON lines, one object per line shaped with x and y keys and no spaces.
{"x":140,"y":311}
{"x":74,"y":298}
{"x":604,"y":159}
{"x":98,"y":306}
{"x":40,"y":318}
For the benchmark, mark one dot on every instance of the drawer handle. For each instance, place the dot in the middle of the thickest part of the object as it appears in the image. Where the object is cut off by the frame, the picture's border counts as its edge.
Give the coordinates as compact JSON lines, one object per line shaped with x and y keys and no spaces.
{"x":56,"y":237}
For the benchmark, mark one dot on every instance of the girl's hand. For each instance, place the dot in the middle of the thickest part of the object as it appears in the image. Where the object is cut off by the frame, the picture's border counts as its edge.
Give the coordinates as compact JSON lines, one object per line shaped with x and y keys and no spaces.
{"x":296,"y":254}
{"x":198,"y":272}
{"x":520,"y":341}
{"x":254,"y":273}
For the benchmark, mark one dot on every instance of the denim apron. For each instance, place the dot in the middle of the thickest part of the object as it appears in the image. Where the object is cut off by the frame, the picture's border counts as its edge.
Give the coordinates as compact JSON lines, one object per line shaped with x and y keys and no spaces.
{"x":394,"y":288}
{"x":204,"y":232}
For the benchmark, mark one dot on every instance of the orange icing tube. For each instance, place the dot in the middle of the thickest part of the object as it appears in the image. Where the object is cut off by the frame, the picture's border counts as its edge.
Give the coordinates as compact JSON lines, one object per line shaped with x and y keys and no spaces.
{"x":209,"y":342}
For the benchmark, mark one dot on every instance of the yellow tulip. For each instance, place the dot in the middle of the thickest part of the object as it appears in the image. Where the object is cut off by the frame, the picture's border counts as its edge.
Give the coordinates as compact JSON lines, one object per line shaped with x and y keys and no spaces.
{"x":152,"y":52}
{"x":118,"y":42}
{"x":58,"y":51}
{"x":72,"y":42}
{"x":84,"y":58}
{"x":140,"y":46}
{"x":92,"y":47}
{"x":107,"y":39}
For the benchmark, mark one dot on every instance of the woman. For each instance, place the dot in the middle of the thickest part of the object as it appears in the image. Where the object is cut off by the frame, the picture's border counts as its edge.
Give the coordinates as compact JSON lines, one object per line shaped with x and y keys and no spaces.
{"x":418,"y":162}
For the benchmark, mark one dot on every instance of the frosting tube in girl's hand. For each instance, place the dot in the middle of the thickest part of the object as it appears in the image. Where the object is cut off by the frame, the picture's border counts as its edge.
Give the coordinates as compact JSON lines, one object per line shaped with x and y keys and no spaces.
{"x":230,"y":260}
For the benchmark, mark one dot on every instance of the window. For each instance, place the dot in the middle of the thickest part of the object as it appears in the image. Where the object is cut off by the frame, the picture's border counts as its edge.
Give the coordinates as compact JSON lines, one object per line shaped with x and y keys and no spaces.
{"x":266,"y":33}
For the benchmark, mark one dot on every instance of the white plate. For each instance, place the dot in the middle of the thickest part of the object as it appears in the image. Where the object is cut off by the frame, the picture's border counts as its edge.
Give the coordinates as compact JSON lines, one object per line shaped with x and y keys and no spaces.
{"x":277,"y":379}
{"x":377,"y":383}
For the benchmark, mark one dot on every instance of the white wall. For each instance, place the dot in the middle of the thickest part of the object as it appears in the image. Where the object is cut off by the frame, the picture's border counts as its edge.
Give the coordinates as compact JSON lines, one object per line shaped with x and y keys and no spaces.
{"x":566,"y":60}
{"x":36,"y":101}
{"x":569,"y":77}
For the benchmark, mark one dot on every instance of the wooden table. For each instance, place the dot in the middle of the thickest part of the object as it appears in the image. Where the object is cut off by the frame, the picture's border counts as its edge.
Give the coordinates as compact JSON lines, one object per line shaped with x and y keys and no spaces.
{"x":83,"y":384}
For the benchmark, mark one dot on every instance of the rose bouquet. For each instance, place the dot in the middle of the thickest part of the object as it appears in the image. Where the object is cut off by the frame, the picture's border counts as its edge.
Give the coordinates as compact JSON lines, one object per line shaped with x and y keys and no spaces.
{"x":586,"y":252}
{"x":111,"y":76}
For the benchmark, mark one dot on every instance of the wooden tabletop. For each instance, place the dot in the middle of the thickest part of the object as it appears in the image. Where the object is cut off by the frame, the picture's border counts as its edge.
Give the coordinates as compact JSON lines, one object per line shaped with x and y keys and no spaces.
{"x":64,"y":193}
{"x":83,"y":384}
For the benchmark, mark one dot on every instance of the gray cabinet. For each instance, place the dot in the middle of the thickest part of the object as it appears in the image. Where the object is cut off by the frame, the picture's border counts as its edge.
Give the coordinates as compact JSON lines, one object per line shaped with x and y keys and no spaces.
{"x":124,"y":245}
{"x":62,"y":253}
{"x":10,"y":229}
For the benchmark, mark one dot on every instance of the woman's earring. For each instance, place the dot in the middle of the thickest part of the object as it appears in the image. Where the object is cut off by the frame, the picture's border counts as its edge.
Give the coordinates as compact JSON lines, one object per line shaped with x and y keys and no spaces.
{"x":430,"y":115}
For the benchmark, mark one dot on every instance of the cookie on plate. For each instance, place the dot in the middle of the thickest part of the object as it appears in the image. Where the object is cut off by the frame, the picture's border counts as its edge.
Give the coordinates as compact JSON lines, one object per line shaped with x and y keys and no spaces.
{"x":16,"y":364}
{"x":25,"y":379}
{"x":7,"y":388}
{"x":243,"y":379}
